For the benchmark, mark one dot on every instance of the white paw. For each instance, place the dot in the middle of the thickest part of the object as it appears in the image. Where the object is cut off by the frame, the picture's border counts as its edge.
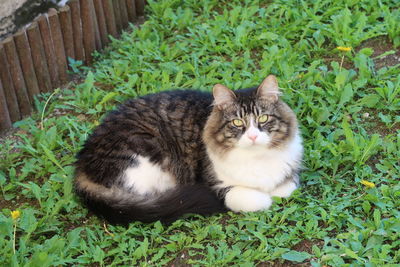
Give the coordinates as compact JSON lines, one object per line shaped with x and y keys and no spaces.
{"x":246,"y":199}
{"x":284,"y":190}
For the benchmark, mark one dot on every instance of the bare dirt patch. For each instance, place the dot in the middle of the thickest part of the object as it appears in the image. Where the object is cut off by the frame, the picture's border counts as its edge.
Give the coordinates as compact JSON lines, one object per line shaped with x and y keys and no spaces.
{"x":381,"y":45}
{"x":373,"y":124}
{"x":18,"y":202}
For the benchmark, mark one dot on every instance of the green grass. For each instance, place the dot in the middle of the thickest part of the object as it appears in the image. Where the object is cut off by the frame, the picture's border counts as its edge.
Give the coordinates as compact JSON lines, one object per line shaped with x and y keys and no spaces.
{"x":349,"y":119}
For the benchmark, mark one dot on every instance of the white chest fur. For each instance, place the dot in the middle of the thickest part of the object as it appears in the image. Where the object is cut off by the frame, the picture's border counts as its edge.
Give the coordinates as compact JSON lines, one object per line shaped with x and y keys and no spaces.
{"x":257,"y":167}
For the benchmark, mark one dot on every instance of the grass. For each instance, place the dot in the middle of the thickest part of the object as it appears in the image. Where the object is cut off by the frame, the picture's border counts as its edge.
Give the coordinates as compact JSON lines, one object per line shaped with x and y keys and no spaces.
{"x":348,"y":110}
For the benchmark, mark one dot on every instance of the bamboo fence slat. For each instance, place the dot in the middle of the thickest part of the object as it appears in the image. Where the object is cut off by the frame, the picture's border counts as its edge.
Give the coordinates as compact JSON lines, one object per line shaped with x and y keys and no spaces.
{"x":39,"y":58}
{"x":101,"y":21}
{"x":108,"y":8}
{"x":25,"y":59}
{"x":66,"y":29}
{"x":5,"y":121}
{"x":17,"y":77}
{"x":124,"y":14}
{"x":49,"y":51}
{"x":140,"y":7}
{"x":77,"y":29}
{"x":131,"y":8}
{"x":117,"y":14}
{"x":97,"y":37}
{"x":89,"y":39}
{"x":8,"y":87}
{"x":58,"y":42}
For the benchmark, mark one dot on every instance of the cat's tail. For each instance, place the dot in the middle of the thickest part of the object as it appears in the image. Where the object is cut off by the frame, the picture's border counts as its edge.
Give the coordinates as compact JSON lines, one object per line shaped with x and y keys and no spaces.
{"x":118,"y":206}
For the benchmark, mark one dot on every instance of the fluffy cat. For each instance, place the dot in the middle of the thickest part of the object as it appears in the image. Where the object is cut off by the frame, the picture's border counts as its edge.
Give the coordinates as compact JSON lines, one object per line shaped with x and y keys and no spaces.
{"x":163,"y":155}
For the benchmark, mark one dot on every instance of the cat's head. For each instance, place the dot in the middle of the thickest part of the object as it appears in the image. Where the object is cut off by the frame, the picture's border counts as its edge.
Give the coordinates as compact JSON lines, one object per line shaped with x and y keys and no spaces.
{"x":251,"y":118}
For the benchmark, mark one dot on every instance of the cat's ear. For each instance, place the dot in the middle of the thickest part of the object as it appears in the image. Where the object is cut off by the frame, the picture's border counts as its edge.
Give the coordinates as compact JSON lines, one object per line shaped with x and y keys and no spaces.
{"x":223,"y":96}
{"x":269,"y":89}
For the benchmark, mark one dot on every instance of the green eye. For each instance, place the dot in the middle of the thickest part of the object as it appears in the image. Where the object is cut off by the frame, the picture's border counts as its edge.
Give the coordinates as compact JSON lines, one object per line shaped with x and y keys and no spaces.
{"x":263,"y":118}
{"x":237,"y":122}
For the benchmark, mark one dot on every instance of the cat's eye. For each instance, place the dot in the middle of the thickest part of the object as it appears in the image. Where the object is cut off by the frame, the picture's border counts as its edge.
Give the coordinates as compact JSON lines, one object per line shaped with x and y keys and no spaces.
{"x":237,"y":122}
{"x":263,"y":118}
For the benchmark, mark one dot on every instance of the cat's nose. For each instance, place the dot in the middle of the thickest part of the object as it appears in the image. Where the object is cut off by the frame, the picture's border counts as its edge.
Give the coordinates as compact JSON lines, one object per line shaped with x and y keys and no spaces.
{"x":252,"y":137}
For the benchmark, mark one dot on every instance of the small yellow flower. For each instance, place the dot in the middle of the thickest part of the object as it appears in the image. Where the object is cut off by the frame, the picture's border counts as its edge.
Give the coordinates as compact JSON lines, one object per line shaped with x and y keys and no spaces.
{"x":368,"y":184}
{"x":15,"y":214}
{"x":343,"y":48}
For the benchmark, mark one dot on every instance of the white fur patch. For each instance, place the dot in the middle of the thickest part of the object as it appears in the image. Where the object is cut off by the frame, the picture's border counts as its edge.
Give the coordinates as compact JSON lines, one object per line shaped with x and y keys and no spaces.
{"x":257,"y":166}
{"x":253,"y":136}
{"x":246,"y":199}
{"x":147,"y":178}
{"x":284,"y":190}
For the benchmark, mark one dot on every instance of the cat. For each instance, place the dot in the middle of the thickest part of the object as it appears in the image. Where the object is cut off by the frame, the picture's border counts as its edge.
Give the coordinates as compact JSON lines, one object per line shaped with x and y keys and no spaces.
{"x":167,"y":154}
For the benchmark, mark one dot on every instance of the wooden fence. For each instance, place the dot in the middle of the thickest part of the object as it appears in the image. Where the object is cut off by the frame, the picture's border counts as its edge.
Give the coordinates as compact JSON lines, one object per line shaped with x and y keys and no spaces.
{"x":34,"y":60}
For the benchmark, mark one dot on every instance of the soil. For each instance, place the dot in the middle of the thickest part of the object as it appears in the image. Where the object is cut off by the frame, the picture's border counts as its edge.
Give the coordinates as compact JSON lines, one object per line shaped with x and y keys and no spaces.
{"x":373,"y":124}
{"x":17,"y":202}
{"x":380,"y":45}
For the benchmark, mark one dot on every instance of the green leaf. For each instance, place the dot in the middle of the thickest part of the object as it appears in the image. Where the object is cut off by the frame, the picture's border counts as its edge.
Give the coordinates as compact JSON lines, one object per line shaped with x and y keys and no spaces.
{"x":108,"y":97}
{"x":28,"y":221}
{"x":351,"y":253}
{"x":178,"y":78}
{"x":268,"y":36}
{"x":51,"y":156}
{"x":296,"y":256}
{"x":370,"y":147}
{"x":377,"y":218}
{"x":350,"y":137}
{"x":340,"y":79}
{"x":366,"y":206}
{"x":142,"y":249}
{"x":369,"y":101}
{"x":346,"y":95}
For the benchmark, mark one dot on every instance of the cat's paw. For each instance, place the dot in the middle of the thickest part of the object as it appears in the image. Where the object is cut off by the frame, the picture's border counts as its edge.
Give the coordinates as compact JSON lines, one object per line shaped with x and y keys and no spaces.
{"x":284,"y":190}
{"x":246,"y":199}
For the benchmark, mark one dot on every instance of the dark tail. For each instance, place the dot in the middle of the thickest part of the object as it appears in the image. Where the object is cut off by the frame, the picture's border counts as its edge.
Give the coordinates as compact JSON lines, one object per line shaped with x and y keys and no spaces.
{"x":119,"y":207}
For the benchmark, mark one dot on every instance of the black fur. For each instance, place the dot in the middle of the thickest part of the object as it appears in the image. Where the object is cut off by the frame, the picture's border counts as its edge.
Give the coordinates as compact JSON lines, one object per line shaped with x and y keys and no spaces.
{"x":188,"y":199}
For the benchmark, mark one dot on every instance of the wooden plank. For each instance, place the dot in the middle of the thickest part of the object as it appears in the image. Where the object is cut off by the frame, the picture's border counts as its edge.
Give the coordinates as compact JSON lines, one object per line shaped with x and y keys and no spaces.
{"x":131,"y":8}
{"x":25,"y":59}
{"x":17,"y":77}
{"x":117,"y":14}
{"x":124,"y":14}
{"x":39,"y":58}
{"x":8,"y":87}
{"x":77,"y":29}
{"x":58,"y":43}
{"x":49,"y":51}
{"x":108,"y":8}
{"x":89,"y":39}
{"x":97,"y":37}
{"x":140,"y":7}
{"x":101,"y":21}
{"x":5,"y":121}
{"x":67,"y":33}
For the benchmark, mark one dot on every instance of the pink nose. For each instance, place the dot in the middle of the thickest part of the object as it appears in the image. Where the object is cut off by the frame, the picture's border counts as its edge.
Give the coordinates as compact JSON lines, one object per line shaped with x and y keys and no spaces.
{"x":253,"y":137}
